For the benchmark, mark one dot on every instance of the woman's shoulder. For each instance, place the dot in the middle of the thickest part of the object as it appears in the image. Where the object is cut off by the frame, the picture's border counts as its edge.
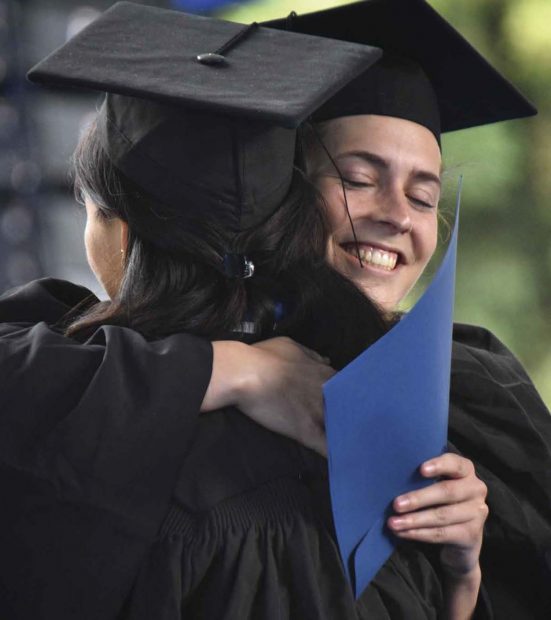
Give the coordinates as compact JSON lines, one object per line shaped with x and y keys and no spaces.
{"x":47,"y":299}
{"x":474,"y":339}
{"x":487,"y":378}
{"x":476,"y":350}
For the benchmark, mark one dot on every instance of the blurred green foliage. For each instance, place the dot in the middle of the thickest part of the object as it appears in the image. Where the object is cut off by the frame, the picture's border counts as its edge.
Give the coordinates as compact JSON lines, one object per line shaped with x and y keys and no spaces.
{"x":504,"y":266}
{"x":504,"y":263}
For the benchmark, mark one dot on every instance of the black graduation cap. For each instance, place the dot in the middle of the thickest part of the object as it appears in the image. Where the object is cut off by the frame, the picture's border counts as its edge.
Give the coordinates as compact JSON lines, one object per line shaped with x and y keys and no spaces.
{"x":422,"y":53}
{"x":202,"y":113}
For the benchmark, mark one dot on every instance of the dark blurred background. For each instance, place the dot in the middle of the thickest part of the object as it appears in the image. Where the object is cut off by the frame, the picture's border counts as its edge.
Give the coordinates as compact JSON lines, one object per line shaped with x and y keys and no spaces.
{"x":504,"y":268}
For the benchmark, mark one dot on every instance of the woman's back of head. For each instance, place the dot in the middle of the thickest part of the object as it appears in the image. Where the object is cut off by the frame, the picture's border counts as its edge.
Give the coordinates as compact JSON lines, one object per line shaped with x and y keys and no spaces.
{"x":173,"y":277}
{"x":193,"y":152}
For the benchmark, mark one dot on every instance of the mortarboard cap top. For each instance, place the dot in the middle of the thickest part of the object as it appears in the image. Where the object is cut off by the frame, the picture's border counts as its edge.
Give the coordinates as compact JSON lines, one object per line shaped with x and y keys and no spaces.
{"x":394,"y":86}
{"x":214,"y":139}
{"x":469,"y":91}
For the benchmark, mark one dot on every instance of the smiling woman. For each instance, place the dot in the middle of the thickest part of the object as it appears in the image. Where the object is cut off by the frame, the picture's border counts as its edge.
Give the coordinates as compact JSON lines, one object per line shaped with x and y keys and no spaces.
{"x":375,"y":158}
{"x":390,"y":168}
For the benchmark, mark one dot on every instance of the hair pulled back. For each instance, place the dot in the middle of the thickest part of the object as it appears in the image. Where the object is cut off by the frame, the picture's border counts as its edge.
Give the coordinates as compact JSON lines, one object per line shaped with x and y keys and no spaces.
{"x":173,"y":280}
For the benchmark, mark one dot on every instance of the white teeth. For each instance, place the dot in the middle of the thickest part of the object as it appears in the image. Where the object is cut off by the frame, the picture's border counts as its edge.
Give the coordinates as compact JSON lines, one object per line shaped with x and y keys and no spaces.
{"x":374,"y":256}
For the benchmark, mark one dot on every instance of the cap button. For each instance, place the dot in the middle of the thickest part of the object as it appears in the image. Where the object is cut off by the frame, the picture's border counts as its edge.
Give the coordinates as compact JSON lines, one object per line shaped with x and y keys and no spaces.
{"x":211,"y":58}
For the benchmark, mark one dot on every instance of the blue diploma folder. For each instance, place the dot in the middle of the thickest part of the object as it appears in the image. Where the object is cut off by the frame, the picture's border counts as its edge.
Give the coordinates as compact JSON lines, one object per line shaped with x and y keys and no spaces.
{"x":385,"y":414}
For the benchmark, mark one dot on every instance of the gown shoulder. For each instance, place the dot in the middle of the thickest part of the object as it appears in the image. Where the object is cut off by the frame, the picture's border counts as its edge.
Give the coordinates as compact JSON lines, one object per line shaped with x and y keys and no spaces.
{"x":46,"y":299}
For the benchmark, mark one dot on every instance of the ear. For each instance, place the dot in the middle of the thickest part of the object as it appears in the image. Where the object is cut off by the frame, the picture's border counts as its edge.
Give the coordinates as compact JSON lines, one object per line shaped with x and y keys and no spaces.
{"x":124,"y":235}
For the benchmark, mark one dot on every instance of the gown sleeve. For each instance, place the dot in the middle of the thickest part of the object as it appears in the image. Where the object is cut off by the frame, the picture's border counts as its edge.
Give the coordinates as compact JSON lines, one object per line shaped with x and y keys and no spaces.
{"x":92,"y":438}
{"x":498,"y":420}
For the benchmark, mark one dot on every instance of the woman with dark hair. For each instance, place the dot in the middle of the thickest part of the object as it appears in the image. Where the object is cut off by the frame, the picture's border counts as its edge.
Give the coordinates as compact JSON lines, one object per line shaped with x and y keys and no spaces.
{"x":190,"y":186}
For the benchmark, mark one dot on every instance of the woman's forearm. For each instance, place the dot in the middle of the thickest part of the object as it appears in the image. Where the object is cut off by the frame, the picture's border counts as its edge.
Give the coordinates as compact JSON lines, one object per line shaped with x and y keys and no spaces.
{"x":277,"y":383}
{"x":232,"y":373}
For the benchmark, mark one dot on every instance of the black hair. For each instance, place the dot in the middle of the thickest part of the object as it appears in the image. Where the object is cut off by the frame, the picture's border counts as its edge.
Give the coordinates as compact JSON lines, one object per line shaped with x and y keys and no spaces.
{"x":173,"y":281}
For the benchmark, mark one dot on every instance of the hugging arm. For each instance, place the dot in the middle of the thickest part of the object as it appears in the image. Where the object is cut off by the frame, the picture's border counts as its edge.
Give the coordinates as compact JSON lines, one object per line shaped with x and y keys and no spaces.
{"x":277,"y":383}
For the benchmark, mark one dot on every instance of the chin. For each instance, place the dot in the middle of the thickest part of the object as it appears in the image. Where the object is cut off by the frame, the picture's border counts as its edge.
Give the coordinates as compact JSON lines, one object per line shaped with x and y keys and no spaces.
{"x":385,"y":300}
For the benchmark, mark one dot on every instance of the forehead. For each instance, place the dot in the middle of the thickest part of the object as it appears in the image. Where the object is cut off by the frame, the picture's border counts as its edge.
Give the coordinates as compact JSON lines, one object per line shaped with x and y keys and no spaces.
{"x":395,"y":139}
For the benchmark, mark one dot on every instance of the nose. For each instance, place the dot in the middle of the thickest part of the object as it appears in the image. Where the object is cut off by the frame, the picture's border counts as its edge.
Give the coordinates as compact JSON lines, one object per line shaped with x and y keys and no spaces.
{"x":393,"y":210}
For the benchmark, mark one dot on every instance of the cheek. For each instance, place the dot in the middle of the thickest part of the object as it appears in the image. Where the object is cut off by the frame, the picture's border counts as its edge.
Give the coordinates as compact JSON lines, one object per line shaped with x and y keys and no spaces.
{"x":90,"y":243}
{"x":333,"y":203}
{"x":335,"y":213}
{"x":99,"y":252}
{"x":427,"y":239}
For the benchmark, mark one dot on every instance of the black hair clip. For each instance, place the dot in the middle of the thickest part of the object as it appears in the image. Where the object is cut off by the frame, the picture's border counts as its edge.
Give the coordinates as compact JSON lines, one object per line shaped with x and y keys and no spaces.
{"x":238,"y":266}
{"x":217,"y":57}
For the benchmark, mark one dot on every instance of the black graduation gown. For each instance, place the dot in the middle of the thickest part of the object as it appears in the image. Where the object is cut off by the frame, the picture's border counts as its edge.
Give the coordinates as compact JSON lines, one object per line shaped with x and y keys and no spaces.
{"x":122,"y":504}
{"x":498,"y":420}
{"x":245,"y":536}
{"x":91,"y":441}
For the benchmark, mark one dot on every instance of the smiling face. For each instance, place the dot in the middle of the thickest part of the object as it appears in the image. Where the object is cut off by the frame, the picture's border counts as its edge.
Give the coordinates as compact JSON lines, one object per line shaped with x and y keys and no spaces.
{"x":391,"y":172}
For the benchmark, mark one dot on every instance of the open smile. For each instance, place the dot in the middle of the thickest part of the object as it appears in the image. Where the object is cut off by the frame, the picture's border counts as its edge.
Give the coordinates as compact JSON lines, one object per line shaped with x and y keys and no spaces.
{"x":386,"y":260}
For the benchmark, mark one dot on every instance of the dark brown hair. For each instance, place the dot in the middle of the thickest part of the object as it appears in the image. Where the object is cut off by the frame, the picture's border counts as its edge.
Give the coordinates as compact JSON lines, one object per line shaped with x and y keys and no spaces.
{"x":173,"y":281}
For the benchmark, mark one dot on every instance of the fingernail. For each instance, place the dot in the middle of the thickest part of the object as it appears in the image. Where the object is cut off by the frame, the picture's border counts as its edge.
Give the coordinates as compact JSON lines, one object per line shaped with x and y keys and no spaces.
{"x":402,"y":502}
{"x":397,"y":522}
{"x":429,"y":468}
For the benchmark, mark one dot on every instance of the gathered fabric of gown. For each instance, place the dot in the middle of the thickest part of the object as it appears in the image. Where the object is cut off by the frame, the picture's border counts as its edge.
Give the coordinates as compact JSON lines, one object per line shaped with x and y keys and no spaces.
{"x":498,"y":420}
{"x":123,"y":502}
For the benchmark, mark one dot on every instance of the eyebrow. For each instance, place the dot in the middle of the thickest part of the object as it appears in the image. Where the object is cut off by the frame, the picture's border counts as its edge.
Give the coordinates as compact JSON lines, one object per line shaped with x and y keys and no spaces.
{"x":384,"y":164}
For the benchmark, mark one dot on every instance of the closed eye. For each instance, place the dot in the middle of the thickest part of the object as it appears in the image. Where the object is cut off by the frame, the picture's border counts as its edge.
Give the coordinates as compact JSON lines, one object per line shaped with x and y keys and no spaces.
{"x":357,"y":184}
{"x":421,"y":203}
